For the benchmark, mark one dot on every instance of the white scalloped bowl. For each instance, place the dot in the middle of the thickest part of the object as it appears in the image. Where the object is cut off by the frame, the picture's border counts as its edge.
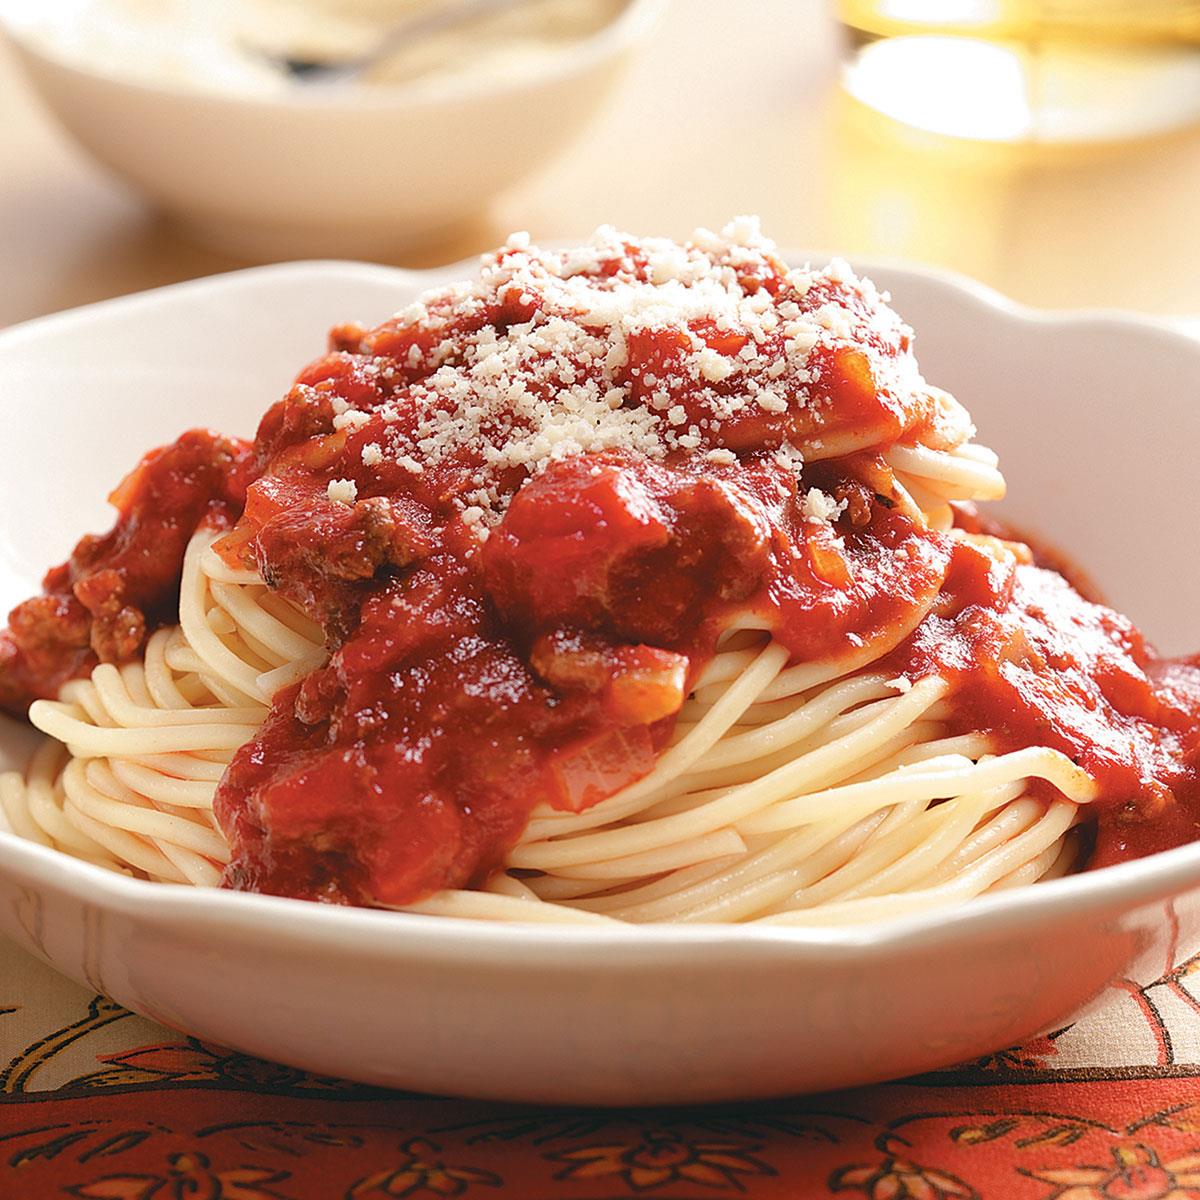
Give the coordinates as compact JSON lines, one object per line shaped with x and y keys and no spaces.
{"x":1096,"y":424}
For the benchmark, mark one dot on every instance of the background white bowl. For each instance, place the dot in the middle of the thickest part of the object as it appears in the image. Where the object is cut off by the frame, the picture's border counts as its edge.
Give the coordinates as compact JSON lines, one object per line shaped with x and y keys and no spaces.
{"x":360,"y":172}
{"x":1096,"y":425}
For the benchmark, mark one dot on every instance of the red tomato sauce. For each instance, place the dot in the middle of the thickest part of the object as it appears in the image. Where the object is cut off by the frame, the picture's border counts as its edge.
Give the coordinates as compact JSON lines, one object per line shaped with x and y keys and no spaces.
{"x":116,"y":589}
{"x":473,"y":678}
{"x":547,"y":668}
{"x":470,"y":684}
{"x":1034,"y":663}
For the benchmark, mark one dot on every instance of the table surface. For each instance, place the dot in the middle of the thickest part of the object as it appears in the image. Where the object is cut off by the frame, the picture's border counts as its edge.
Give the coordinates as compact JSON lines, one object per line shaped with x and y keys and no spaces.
{"x":760,"y":127}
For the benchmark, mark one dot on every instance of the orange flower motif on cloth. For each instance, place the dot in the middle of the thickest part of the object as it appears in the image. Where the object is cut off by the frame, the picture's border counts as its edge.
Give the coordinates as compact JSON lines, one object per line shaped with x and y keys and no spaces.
{"x":1137,"y":1175}
{"x":193,"y":1061}
{"x":1033,"y":1055}
{"x":662,"y":1158}
{"x":187,"y":1178}
{"x":898,"y":1179}
{"x":421,"y":1173}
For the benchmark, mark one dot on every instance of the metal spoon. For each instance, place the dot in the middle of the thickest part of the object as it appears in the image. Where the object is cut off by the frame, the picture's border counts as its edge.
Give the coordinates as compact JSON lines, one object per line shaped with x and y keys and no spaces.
{"x":447,"y":16}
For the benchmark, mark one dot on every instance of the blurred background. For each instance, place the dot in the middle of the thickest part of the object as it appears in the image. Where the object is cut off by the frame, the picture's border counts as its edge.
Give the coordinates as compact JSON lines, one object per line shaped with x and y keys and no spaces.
{"x":1050,"y":148}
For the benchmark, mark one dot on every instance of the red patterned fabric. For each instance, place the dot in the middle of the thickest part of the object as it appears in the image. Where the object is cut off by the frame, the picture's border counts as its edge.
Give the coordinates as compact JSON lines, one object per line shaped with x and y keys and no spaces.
{"x":99,"y":1104}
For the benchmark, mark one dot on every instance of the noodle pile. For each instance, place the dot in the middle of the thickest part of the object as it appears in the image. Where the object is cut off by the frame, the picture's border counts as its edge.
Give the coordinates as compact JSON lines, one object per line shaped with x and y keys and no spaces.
{"x":816,"y":793}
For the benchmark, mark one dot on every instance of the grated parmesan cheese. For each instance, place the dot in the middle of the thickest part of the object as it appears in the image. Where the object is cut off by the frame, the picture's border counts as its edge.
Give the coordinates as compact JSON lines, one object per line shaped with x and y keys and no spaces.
{"x":821,"y":507}
{"x":557,"y":381}
{"x":342,"y":491}
{"x":351,"y":419}
{"x":713,"y":366}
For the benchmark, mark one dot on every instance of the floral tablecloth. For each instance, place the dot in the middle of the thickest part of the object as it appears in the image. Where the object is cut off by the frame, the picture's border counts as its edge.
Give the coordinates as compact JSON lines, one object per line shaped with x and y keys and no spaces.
{"x":101,"y":1104}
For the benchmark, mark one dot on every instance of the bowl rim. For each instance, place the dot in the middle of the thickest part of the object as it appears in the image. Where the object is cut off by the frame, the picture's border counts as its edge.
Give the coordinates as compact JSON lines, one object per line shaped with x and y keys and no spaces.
{"x":1114,"y":889}
{"x":632,"y":24}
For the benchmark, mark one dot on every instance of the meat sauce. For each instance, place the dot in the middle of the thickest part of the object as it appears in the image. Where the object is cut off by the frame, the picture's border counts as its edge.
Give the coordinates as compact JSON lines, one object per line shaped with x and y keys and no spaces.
{"x":546,"y":668}
{"x":115,"y":589}
{"x":1031,"y":662}
{"x":475,"y":677}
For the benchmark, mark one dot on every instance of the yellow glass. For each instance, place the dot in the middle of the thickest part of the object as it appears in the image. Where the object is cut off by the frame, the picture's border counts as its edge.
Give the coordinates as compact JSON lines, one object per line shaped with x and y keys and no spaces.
{"x":1051,"y":71}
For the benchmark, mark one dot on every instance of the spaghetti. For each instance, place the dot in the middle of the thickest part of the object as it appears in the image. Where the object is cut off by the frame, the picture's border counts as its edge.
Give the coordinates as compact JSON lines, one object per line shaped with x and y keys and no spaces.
{"x":844,"y":703}
{"x":858,"y":790}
